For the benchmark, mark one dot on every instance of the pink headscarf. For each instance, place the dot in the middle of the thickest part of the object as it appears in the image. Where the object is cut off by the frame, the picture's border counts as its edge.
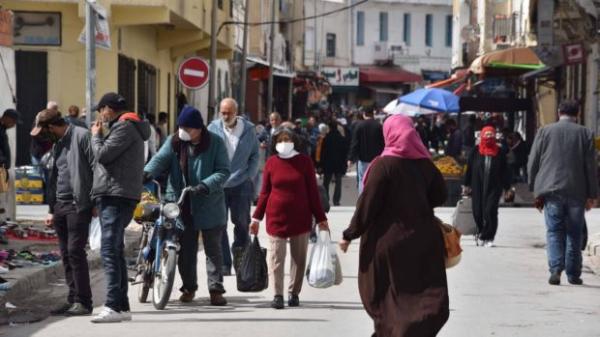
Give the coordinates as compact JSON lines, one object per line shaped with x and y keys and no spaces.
{"x":401,"y":140}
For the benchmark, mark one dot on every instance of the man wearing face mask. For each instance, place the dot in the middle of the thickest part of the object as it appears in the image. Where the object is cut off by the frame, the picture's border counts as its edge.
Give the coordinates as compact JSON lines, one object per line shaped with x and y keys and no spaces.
{"x":118,"y":147}
{"x":196,"y":158}
{"x":70,"y":206}
{"x":239,"y":137}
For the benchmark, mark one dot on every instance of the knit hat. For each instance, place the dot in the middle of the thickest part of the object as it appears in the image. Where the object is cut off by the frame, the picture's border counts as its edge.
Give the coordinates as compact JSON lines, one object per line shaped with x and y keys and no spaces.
{"x":190,"y":117}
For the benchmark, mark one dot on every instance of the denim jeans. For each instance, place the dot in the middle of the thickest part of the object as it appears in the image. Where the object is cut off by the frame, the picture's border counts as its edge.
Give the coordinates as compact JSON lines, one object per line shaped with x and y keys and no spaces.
{"x":564,"y":230}
{"x":72,"y":229}
{"x":361,"y":169}
{"x":115,"y":214}
{"x":238,"y":201}
{"x":188,"y":259}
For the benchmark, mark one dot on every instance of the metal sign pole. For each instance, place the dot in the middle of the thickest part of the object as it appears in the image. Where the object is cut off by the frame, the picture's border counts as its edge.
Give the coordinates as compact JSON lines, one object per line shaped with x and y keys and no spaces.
{"x":271,"y":52}
{"x":90,"y":57}
{"x":213,"y":62}
{"x":244,"y":55}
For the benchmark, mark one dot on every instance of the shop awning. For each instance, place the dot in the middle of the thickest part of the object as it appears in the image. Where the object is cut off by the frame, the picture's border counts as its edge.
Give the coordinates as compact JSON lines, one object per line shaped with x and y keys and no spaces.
{"x":513,"y":58}
{"x":459,"y":76}
{"x":387,"y":75}
{"x":382,"y":89}
{"x":278,"y":70}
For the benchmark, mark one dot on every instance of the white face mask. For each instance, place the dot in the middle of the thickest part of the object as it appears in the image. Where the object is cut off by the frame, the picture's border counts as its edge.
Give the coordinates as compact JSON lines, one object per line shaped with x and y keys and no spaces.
{"x":284,"y":148}
{"x":183,"y":135}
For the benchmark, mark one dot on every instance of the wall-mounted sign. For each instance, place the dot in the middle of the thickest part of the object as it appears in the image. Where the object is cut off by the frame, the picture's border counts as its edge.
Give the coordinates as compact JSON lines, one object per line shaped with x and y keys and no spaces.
{"x":574,"y":53}
{"x":341,"y":76}
{"x":37,"y":28}
{"x":6,"y":28}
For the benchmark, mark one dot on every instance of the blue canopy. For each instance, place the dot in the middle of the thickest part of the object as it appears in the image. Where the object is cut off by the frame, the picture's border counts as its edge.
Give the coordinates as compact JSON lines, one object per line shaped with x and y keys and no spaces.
{"x":435,"y":99}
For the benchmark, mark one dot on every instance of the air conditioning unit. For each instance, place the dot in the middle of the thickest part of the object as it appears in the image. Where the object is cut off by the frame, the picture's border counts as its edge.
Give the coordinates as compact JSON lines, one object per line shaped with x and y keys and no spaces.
{"x":380,"y":51}
{"x":398,"y":49}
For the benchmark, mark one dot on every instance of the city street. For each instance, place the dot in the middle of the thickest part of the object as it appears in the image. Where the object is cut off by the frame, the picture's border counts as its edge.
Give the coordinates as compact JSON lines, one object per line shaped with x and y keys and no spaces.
{"x":500,"y":291}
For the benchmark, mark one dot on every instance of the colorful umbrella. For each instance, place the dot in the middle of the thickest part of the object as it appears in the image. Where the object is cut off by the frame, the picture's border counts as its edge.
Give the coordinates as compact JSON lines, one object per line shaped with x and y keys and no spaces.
{"x":424,"y":102}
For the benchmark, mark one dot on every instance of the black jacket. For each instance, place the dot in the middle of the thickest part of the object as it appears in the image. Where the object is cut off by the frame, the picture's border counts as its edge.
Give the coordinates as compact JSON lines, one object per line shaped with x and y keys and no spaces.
{"x":367,"y":141}
{"x":4,"y":149}
{"x":333,"y":156}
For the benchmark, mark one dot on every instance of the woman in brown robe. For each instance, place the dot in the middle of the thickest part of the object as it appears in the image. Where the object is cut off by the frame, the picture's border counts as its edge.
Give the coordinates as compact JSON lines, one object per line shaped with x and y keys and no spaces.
{"x":402,"y":278}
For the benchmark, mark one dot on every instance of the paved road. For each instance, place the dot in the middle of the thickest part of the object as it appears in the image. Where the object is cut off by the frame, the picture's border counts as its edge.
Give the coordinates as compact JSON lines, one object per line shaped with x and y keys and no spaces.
{"x":500,"y":291}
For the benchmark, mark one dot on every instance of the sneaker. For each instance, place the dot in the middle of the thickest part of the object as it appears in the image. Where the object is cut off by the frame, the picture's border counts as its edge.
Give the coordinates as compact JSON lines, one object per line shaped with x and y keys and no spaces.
{"x":293,"y":300}
{"x":489,"y":244}
{"x":217,"y":299}
{"x":554,"y":279}
{"x":277,"y":302}
{"x":187,"y":296}
{"x":575,"y":281}
{"x":78,"y":309}
{"x":61,"y":310}
{"x":107,"y":315}
{"x":126,"y":316}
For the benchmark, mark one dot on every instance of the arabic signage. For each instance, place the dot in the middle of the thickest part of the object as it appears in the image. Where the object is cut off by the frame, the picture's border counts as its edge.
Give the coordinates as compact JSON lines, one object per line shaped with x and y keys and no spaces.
{"x":6,"y":28}
{"x":341,"y":76}
{"x":37,"y":28}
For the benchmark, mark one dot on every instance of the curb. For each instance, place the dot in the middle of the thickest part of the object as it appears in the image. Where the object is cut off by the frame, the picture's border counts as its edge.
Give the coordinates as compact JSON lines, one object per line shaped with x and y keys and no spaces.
{"x":40,"y":277}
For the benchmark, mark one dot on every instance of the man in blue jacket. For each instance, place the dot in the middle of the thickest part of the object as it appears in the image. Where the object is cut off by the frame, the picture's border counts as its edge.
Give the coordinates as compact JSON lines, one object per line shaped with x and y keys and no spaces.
{"x":197,"y":158}
{"x":239,"y":136}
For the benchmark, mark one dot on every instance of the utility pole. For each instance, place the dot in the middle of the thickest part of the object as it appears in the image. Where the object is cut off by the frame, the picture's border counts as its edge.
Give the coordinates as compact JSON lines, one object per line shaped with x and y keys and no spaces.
{"x":213,"y":62}
{"x":316,"y":64}
{"x":244,"y":55}
{"x":90,"y":60}
{"x":271,"y":51}
{"x":292,"y":63}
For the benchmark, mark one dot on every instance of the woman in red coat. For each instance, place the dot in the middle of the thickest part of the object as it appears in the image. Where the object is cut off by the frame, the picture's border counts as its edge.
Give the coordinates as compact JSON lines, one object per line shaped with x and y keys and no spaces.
{"x":290,"y":199}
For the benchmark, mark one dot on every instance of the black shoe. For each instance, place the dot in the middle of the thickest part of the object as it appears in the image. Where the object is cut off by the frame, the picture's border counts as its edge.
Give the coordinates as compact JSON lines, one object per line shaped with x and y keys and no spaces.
{"x":62,"y":310}
{"x":293,"y":300}
{"x":78,"y":309}
{"x":554,"y":279}
{"x":277,"y":302}
{"x":575,"y":281}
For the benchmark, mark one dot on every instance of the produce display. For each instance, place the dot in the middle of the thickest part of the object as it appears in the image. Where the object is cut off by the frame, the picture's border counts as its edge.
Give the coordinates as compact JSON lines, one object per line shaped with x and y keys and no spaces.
{"x":448,"y":166}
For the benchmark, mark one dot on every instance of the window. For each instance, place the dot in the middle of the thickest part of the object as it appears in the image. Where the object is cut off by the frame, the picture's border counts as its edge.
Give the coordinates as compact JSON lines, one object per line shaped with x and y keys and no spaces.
{"x":146,"y":88}
{"x":230,"y":8}
{"x":448,"y":30}
{"x":407,"y":25}
{"x":220,"y":4}
{"x":330,"y":45}
{"x":127,"y":80}
{"x":360,"y":28}
{"x":383,"y":26}
{"x":429,"y":30}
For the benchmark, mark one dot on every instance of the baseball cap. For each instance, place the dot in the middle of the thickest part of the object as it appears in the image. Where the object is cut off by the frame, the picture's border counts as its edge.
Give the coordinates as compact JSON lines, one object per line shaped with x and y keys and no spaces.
{"x":113,"y":101}
{"x":43,"y":119}
{"x":14,"y":114}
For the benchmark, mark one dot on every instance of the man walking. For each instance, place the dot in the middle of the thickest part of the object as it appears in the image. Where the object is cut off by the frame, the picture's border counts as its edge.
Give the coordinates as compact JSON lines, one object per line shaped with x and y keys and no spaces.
{"x":197,"y":158}
{"x":367,"y":143}
{"x":70,"y":206}
{"x":118,"y":147}
{"x":239,"y":137}
{"x":562,"y":174}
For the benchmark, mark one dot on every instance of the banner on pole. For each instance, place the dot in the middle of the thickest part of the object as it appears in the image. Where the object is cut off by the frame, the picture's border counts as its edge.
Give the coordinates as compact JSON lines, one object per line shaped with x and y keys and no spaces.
{"x":102,"y":29}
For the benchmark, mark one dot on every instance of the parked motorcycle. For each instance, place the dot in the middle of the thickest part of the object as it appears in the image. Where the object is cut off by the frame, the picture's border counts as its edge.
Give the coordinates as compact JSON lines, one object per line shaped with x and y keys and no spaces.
{"x":159,"y":245}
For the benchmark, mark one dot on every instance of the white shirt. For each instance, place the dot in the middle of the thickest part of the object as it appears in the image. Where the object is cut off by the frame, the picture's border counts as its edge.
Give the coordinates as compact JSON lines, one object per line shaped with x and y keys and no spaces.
{"x":232,"y":137}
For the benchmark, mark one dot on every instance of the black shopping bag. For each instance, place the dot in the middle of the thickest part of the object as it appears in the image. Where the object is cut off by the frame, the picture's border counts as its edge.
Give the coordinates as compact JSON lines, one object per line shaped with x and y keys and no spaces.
{"x":253,"y":273}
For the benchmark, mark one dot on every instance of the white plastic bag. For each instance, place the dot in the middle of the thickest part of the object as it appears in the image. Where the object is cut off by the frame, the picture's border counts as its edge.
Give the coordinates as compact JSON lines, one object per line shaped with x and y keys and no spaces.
{"x":462,"y":219}
{"x":95,"y":237}
{"x":321,"y":266}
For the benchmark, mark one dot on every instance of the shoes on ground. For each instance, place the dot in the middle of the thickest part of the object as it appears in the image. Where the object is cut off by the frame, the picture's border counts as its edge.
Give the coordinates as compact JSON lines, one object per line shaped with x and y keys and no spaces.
{"x":217,"y":299}
{"x":126,"y":316}
{"x":575,"y":281}
{"x":293,"y":300}
{"x":554,"y":279}
{"x":78,"y":309}
{"x":489,"y":244}
{"x":187,"y":296}
{"x":277,"y":302}
{"x":108,"y":315}
{"x":61,"y":310}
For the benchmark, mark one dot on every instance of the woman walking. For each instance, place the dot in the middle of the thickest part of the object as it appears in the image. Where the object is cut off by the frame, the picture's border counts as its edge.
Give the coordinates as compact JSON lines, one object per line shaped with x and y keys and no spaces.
{"x":402,"y":277}
{"x":333,"y":162}
{"x":487,"y":175}
{"x":290,"y":198}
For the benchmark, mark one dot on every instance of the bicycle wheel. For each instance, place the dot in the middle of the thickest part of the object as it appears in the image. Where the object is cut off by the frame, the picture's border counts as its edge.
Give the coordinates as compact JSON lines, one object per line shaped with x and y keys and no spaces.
{"x":163,"y":280}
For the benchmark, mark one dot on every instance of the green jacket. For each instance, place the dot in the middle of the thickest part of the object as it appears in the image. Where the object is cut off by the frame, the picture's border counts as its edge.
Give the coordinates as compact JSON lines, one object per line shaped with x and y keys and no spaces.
{"x":210,"y":167}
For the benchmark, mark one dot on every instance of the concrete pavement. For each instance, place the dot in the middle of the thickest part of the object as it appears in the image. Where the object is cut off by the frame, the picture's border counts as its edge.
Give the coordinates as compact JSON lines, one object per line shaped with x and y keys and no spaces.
{"x":500,"y":291}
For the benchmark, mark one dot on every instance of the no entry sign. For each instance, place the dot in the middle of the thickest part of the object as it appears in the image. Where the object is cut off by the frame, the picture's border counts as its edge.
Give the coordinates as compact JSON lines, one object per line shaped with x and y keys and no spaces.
{"x":193,"y":73}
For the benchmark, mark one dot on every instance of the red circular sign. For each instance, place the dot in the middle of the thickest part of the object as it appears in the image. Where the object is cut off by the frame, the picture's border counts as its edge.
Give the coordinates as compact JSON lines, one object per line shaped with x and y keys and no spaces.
{"x":193,"y":73}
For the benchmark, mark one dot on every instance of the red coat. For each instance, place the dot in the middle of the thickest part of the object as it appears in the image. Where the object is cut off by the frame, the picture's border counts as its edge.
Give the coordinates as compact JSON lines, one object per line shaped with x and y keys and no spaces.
{"x":289,"y":196}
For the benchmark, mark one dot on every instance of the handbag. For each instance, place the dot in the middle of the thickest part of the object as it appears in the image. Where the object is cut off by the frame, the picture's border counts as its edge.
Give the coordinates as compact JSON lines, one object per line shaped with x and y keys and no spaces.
{"x":3,"y":180}
{"x":253,"y":275}
{"x":452,"y":244}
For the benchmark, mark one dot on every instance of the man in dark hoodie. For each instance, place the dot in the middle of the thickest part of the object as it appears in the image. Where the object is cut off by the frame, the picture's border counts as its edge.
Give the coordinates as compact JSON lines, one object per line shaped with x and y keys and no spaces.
{"x":118,"y":147}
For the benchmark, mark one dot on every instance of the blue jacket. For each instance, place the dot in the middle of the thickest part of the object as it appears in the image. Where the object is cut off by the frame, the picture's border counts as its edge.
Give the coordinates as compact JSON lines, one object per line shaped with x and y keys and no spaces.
{"x":244,"y":165}
{"x":210,"y":167}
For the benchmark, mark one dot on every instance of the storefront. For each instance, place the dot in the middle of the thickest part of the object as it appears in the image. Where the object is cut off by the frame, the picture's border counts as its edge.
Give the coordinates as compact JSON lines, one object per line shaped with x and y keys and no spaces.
{"x":344,"y":83}
{"x":379,"y":84}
